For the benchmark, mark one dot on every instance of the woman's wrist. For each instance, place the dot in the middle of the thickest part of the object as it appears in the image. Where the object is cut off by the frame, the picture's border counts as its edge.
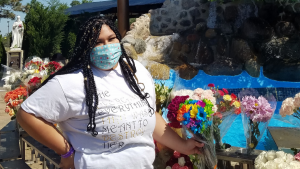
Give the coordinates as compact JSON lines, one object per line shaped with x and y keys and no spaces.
{"x":69,"y":153}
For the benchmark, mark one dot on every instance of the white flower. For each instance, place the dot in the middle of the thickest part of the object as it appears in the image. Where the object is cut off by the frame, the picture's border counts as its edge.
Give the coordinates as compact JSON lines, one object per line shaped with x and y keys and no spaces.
{"x":215,"y":108}
{"x":270,"y":155}
{"x":7,"y":87}
{"x":261,"y":158}
{"x":270,"y":165}
{"x":281,"y":154}
{"x":289,"y":158}
{"x":182,"y":92}
{"x":297,"y":100}
{"x":282,"y":165}
{"x":162,"y":98}
{"x":12,"y":78}
{"x":37,"y":59}
{"x":168,"y":167}
{"x":279,"y":160}
{"x":295,"y":164}
{"x":181,"y":161}
{"x":287,"y":107}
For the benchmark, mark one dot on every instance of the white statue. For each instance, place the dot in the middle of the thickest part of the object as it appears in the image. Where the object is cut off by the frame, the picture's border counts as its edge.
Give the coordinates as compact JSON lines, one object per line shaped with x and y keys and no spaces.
{"x":17,"y":33}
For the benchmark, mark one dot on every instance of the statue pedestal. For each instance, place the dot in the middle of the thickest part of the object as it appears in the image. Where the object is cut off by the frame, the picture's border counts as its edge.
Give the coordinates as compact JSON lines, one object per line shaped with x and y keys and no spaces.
{"x":15,"y":59}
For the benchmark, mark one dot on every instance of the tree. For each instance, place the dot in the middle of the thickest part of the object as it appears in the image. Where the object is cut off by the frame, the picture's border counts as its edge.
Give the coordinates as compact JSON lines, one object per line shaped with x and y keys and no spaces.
{"x":75,"y":2}
{"x":7,"y":6}
{"x":2,"y":52}
{"x":44,"y":28}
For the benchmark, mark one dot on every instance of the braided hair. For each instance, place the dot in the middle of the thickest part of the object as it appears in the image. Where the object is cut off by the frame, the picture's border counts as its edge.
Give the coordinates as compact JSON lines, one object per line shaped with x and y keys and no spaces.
{"x":85,"y":42}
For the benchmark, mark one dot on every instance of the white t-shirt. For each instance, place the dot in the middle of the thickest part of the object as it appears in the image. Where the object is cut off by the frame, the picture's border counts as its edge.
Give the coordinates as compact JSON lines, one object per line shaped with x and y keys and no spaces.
{"x":123,"y":121}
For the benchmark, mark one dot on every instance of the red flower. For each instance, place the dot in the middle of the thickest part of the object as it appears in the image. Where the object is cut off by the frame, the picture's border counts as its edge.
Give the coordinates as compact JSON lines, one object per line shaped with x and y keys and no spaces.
{"x":223,"y":109}
{"x":218,"y":114}
{"x":233,"y":96}
{"x":175,"y":124}
{"x":221,"y":92}
{"x":238,"y":111}
{"x":225,"y":91}
{"x":34,"y":81}
{"x":211,"y":85}
{"x":176,"y":154}
{"x":176,"y":166}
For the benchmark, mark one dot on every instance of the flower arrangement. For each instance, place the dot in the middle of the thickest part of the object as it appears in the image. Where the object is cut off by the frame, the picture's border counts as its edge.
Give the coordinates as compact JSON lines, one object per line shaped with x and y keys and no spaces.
{"x":256,"y":113}
{"x":291,"y":107}
{"x":276,"y":160}
{"x":52,"y":67}
{"x":179,"y":161}
{"x":228,"y":107}
{"x":13,"y":100}
{"x":34,"y":64}
{"x":162,"y":93}
{"x":194,"y":115}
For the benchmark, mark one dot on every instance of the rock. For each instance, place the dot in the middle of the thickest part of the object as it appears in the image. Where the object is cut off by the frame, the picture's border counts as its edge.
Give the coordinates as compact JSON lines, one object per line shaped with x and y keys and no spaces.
{"x":186,"y":48}
{"x":203,"y":1}
{"x":187,"y":4}
{"x":221,"y":45}
{"x":285,"y":29}
{"x":186,"y":71}
{"x":174,"y":23}
{"x":194,"y":13}
{"x":283,"y":70}
{"x":141,"y":27}
{"x":297,"y":22}
{"x":204,"y":54}
{"x":169,"y":20}
{"x":297,"y":7}
{"x":201,"y":27}
{"x":130,"y":51}
{"x":227,"y":28}
{"x":193,"y":38}
{"x":256,"y":29}
{"x":210,"y":33}
{"x":163,"y":25}
{"x":164,"y":12}
{"x":270,"y":12}
{"x":170,"y":31}
{"x":240,"y":50}
{"x":140,"y":46}
{"x":128,"y":39}
{"x":185,"y":23}
{"x":252,"y":68}
{"x":177,"y":46}
{"x":272,"y":49}
{"x":158,"y":18}
{"x":182,"y":14}
{"x":231,"y":13}
{"x":219,"y":10}
{"x":226,"y":66}
{"x":158,"y":71}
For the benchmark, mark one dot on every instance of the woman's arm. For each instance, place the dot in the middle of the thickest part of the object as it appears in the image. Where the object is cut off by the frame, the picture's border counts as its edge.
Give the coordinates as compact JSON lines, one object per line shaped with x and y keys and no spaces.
{"x":166,"y":136}
{"x":43,"y":131}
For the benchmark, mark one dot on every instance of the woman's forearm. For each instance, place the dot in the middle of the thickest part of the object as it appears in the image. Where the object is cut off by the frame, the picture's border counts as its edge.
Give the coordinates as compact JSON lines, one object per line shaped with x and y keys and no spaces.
{"x":43,"y":131}
{"x":166,"y":136}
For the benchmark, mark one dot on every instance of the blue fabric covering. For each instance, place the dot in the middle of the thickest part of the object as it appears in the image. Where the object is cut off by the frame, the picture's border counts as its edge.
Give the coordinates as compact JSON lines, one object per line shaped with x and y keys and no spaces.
{"x":105,"y":5}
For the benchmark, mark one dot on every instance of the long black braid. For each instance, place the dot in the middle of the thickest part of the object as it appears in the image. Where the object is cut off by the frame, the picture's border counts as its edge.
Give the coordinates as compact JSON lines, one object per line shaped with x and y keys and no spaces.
{"x":86,"y":41}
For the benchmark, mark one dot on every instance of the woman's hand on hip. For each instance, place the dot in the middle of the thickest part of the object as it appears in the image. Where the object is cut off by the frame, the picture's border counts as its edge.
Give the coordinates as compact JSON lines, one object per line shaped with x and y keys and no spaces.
{"x":67,"y":163}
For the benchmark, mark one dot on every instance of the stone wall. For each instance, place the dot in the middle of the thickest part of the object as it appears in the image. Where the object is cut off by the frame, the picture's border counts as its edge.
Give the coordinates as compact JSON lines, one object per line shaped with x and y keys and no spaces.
{"x":220,"y":38}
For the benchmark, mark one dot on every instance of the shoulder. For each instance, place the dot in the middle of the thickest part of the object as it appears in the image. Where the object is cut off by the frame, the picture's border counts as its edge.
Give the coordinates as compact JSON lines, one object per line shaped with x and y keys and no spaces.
{"x":141,"y":69}
{"x":70,"y":81}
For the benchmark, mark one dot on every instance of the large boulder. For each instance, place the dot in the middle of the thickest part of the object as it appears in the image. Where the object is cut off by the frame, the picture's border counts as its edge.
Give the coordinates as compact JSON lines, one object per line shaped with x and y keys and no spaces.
{"x":256,"y":29}
{"x":283,"y":70}
{"x":240,"y":50}
{"x":158,"y":71}
{"x":186,"y":71}
{"x":252,"y":68}
{"x":226,"y":66}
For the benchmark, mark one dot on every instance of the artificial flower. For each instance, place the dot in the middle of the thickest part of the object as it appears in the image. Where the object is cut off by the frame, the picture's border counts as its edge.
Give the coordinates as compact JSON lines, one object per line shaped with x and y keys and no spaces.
{"x":211,"y":85}
{"x":225,"y":91}
{"x":227,"y":97}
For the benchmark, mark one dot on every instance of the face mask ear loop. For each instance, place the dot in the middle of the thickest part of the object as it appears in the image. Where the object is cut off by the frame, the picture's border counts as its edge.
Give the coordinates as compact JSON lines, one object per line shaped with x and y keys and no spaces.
{"x":137,"y":81}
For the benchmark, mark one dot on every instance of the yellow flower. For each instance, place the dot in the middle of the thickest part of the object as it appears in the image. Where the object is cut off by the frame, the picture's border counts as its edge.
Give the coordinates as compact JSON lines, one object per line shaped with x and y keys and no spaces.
{"x":227,"y":97}
{"x":251,"y":145}
{"x":194,"y":111}
{"x":36,"y":71}
{"x":236,"y":104}
{"x":44,"y":78}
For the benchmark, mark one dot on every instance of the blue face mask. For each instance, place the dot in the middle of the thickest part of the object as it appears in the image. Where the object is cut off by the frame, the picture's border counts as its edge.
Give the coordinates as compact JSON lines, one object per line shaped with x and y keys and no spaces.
{"x":106,"y":56}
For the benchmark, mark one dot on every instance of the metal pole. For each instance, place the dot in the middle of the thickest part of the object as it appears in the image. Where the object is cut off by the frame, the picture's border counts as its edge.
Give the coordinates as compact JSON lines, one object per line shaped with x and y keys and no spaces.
{"x":8,"y":38}
{"x":123,"y":16}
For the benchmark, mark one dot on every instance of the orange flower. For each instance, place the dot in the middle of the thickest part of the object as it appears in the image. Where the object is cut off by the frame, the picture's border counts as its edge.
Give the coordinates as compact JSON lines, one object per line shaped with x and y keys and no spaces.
{"x":180,"y":117}
{"x":182,"y":110}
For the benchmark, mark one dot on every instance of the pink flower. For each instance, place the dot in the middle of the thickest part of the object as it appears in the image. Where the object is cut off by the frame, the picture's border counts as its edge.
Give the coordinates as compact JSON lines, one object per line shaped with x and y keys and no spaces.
{"x":297,"y":156}
{"x":221,"y":93}
{"x":287,"y":107}
{"x":225,"y":91}
{"x":297,"y":100}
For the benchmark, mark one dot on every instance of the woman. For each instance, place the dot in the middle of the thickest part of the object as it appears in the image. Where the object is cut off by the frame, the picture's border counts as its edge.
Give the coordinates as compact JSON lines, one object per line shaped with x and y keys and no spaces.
{"x":103,"y":102}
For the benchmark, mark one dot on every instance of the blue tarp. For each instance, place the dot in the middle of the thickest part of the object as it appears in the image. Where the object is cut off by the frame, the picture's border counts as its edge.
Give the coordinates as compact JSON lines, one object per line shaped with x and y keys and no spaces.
{"x":105,"y":5}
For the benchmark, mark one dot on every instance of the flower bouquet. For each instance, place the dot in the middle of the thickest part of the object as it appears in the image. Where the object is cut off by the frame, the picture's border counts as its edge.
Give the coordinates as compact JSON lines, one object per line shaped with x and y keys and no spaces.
{"x":179,"y":161}
{"x":162,"y":94}
{"x":290,"y":110}
{"x":228,"y":108}
{"x":195,"y":117}
{"x":276,"y":160}
{"x":13,"y":100}
{"x":256,"y":114}
{"x":33,"y":63}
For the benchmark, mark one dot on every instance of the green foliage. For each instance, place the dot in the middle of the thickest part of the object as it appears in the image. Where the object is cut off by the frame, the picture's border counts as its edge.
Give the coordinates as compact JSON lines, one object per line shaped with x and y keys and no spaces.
{"x":2,"y":52}
{"x":44,"y":28}
{"x":162,"y":94}
{"x":8,"y":6}
{"x":6,"y":40}
{"x":75,"y":2}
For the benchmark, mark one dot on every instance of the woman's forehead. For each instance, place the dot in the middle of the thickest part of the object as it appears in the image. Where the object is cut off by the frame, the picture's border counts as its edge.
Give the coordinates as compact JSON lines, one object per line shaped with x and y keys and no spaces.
{"x":106,"y":32}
